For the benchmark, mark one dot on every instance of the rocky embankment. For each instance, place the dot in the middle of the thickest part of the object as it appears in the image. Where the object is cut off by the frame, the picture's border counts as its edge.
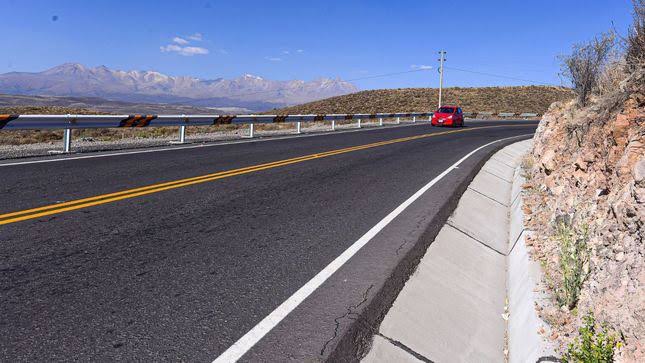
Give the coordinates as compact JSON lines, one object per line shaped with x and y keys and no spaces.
{"x":587,"y":170}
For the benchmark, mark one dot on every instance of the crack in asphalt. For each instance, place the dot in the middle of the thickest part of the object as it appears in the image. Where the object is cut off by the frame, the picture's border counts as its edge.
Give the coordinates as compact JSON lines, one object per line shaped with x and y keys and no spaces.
{"x":400,"y":247}
{"x":350,"y":314}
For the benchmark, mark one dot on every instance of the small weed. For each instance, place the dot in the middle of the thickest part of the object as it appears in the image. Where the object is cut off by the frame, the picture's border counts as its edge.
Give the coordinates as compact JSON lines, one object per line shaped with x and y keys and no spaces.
{"x":528,"y":161}
{"x":574,"y":257}
{"x":595,"y":343}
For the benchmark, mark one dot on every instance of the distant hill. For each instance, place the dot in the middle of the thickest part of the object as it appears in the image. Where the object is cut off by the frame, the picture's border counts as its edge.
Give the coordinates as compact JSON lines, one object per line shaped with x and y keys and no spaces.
{"x":248,"y":91}
{"x":496,"y":99}
{"x":44,"y":104}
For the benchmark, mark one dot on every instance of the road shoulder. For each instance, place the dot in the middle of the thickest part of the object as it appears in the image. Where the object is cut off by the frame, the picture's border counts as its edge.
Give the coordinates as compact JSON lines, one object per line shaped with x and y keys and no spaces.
{"x":474,"y":285}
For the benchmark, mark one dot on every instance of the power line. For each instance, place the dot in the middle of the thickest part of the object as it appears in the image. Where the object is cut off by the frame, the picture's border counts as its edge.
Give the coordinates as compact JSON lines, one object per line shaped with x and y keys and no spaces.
{"x":500,"y":76}
{"x":396,"y":74}
{"x":347,"y":80}
{"x":388,"y":74}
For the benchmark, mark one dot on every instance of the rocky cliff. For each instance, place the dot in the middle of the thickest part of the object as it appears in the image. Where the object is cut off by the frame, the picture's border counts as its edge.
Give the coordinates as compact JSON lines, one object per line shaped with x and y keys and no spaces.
{"x":588,"y":168}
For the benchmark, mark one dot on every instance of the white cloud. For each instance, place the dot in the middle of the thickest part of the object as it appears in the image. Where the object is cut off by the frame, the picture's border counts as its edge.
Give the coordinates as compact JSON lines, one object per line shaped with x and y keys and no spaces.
{"x":193,"y":50}
{"x":180,"y":46}
{"x":421,"y":67}
{"x":180,"y":41}
{"x":185,"y":51}
{"x":300,"y":51}
{"x":286,"y":52}
{"x":273,"y":59}
{"x":196,"y":37}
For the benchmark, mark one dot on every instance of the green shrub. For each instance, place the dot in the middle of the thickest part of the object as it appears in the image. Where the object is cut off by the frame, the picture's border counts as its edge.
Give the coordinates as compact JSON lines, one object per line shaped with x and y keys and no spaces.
{"x":595,"y":344}
{"x":574,"y":257}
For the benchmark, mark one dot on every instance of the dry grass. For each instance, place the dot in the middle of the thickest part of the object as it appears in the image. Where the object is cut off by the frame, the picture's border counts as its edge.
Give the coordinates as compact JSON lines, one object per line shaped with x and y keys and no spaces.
{"x":535,"y":99}
{"x":497,"y":99}
{"x":42,"y":136}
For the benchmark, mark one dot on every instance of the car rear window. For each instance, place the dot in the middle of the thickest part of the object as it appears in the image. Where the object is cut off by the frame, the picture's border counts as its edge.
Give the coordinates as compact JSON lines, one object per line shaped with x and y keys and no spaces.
{"x":446,"y":110}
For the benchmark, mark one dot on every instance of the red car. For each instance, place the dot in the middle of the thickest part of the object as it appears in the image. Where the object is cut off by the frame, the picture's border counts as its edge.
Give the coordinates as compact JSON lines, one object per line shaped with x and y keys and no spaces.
{"x":448,"y":116}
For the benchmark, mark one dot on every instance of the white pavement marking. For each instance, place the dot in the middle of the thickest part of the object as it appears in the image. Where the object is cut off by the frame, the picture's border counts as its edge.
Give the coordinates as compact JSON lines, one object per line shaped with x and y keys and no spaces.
{"x":246,"y":342}
{"x":269,"y":138}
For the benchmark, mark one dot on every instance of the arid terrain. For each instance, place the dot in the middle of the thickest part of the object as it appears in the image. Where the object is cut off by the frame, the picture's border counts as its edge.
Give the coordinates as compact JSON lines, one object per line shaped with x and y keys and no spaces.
{"x":586,"y":190}
{"x":533,"y":99}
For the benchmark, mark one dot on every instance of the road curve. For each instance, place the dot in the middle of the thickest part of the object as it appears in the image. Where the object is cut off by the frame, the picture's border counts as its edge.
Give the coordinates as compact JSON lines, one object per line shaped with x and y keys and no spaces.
{"x":175,"y":255}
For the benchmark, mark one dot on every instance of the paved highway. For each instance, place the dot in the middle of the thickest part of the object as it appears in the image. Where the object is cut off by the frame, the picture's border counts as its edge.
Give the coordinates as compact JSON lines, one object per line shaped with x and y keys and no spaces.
{"x":176,"y":255}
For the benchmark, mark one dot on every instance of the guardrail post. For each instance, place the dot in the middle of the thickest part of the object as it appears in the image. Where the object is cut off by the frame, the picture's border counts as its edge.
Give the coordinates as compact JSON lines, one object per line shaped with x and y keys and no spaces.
{"x":67,"y":141}
{"x":380,"y":121}
{"x":359,"y":123}
{"x":333,"y":125}
{"x":414,"y":119}
{"x":398,"y":120}
{"x":182,"y":134}
{"x":298,"y":127}
{"x":430,"y":118}
{"x":251,"y":129}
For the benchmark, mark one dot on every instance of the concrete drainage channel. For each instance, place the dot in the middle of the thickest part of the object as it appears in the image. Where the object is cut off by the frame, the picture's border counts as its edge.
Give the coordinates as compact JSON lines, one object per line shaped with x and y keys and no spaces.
{"x":472,"y":295}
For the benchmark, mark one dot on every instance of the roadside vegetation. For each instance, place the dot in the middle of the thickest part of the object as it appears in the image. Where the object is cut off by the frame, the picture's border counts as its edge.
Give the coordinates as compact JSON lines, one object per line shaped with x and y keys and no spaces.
{"x":574,"y":260}
{"x":588,"y":161}
{"x":22,"y":137}
{"x":533,"y":99}
{"x":595,"y":343}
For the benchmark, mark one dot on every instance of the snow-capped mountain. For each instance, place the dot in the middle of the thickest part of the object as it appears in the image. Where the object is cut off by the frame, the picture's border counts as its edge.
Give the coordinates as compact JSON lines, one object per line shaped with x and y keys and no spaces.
{"x":72,"y":79}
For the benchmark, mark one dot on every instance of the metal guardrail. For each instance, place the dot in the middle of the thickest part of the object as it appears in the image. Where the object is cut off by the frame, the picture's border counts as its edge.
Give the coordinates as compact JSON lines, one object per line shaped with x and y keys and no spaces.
{"x":69,"y":122}
{"x":39,"y":122}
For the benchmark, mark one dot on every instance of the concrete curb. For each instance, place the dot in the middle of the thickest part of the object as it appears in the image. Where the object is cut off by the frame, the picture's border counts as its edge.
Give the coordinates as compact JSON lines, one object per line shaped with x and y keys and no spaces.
{"x":453,"y":308}
{"x":358,"y":335}
{"x":525,"y":344}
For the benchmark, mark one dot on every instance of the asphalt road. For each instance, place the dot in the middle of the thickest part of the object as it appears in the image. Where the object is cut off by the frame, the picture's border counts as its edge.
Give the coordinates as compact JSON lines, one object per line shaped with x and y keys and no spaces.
{"x":182,"y":273}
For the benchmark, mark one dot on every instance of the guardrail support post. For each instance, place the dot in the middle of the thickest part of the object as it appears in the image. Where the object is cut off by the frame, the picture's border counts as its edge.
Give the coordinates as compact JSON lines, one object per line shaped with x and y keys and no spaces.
{"x":398,"y":120}
{"x":380,"y":121}
{"x":251,"y":130}
{"x":182,"y":134}
{"x":67,"y":141}
{"x":298,"y":127}
{"x":333,"y":125}
{"x":359,"y":123}
{"x":429,"y":118}
{"x":414,"y":119}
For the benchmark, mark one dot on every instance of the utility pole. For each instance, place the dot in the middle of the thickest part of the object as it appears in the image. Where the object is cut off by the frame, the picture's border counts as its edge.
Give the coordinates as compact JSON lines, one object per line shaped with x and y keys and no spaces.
{"x":441,"y":59}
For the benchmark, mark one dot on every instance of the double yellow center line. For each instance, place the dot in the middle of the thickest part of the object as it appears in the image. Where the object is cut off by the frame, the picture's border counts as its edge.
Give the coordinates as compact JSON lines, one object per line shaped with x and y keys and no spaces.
{"x":159,"y":187}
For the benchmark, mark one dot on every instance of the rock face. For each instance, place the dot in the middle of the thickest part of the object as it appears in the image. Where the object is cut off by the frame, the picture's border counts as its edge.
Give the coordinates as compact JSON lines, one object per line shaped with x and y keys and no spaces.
{"x":589,"y":165}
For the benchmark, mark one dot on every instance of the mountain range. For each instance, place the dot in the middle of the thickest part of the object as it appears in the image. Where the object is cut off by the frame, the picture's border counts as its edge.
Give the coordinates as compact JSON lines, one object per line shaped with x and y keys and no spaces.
{"x":248,"y":91}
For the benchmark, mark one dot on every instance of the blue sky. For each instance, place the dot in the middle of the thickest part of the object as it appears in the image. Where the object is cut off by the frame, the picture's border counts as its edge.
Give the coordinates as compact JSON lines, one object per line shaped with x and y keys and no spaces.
{"x":308,"y":39}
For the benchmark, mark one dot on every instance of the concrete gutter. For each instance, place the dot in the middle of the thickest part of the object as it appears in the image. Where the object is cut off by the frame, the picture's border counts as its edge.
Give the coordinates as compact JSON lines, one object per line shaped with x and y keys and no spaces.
{"x":474,"y":288}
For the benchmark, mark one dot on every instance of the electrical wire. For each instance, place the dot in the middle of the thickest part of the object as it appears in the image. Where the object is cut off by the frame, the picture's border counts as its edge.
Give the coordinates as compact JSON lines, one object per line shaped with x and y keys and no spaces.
{"x":399,"y":73}
{"x":347,"y":80}
{"x":499,"y":76}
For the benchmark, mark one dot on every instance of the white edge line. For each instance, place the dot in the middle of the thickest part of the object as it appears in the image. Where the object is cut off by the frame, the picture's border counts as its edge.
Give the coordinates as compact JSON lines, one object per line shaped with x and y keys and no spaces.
{"x":215,"y":143}
{"x":246,"y":342}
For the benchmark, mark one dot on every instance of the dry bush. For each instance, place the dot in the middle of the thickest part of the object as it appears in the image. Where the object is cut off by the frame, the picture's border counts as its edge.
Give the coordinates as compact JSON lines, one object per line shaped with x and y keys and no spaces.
{"x":611,"y":76}
{"x":477,"y":99}
{"x":585,"y":64}
{"x":635,"y":42}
